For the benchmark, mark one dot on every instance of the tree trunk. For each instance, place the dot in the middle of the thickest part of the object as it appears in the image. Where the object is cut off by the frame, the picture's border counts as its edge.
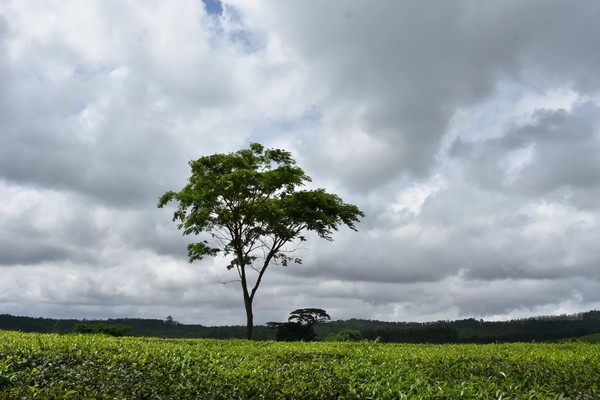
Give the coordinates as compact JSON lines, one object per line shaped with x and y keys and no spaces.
{"x":249,"y":315}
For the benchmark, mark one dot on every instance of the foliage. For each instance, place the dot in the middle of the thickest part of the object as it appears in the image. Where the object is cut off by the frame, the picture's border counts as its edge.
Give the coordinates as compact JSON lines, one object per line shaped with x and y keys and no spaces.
{"x":309,"y":316}
{"x":171,"y":322}
{"x":103,"y":367}
{"x":461,"y":331}
{"x":300,"y":325}
{"x":595,"y":338}
{"x":292,"y":331}
{"x":250,"y":205}
{"x":346,"y":335}
{"x":471,"y":330}
{"x":101,"y":328}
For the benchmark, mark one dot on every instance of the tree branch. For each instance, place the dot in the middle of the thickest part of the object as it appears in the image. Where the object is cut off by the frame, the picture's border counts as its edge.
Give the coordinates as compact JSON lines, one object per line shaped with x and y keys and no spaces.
{"x":226,"y":282}
{"x":277,"y":243}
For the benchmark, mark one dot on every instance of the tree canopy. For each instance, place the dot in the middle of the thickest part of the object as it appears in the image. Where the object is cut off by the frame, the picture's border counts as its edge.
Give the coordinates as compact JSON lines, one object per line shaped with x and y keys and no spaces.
{"x":309,"y":316}
{"x":300,"y":325}
{"x":250,"y":205}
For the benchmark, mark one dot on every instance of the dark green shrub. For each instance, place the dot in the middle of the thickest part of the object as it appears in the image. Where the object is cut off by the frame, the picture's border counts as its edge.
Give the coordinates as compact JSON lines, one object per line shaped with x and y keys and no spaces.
{"x":101,"y":328}
{"x":293,"y":331}
{"x":346,"y":335}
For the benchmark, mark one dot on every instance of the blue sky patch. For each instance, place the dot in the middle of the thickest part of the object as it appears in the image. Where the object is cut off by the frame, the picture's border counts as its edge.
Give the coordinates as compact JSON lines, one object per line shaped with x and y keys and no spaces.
{"x":213,"y":7}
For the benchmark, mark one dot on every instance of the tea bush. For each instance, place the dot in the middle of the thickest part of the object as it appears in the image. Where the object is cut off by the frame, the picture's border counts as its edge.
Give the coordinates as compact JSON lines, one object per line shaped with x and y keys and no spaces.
{"x":49,"y":366}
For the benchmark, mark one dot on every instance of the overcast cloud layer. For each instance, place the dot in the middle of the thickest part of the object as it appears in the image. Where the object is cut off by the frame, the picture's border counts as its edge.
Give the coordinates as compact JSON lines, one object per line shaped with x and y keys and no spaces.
{"x":467,"y":131}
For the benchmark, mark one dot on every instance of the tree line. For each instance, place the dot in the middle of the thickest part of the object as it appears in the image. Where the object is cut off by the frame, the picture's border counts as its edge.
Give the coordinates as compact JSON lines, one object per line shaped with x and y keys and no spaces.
{"x":459,"y":331}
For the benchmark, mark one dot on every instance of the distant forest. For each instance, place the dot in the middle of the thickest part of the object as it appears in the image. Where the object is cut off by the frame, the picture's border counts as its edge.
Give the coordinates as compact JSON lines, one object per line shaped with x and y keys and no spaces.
{"x":546,"y":328}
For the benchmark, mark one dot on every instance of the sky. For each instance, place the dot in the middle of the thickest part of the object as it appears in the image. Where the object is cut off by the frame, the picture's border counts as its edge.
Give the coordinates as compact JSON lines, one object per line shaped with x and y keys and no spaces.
{"x":468,"y":132}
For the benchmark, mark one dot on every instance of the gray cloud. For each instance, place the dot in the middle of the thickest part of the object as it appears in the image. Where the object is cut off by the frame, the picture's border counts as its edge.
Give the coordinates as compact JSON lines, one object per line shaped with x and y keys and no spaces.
{"x":397,"y":73}
{"x":467,"y":132}
{"x":565,"y":154}
{"x":15,"y":251}
{"x":563,"y":162}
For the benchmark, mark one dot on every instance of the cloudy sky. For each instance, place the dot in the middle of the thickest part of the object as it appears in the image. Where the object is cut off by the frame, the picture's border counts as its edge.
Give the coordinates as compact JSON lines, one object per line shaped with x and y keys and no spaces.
{"x":467,"y":131}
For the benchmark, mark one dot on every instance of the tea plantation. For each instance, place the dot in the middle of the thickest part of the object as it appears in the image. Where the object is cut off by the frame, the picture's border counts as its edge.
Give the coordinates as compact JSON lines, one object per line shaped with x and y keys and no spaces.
{"x":48,"y":366}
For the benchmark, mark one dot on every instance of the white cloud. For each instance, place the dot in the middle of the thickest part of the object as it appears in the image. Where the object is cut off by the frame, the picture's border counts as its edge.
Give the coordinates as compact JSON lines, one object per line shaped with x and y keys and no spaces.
{"x":469,"y":135}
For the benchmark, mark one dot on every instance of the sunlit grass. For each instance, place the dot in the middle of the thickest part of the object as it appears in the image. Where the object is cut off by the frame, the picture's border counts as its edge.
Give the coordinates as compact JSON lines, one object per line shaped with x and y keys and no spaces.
{"x":99,"y":367}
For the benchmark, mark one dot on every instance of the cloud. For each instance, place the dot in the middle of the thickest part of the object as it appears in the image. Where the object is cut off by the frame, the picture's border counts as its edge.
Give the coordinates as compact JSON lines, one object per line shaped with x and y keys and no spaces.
{"x":116,"y":110}
{"x":396,"y":74}
{"x":468,"y":133}
{"x":553,"y":156}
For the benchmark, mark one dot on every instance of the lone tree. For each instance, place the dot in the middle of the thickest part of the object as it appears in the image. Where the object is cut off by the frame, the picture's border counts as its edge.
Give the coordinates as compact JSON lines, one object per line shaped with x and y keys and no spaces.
{"x":300,"y":325}
{"x":250,"y":204}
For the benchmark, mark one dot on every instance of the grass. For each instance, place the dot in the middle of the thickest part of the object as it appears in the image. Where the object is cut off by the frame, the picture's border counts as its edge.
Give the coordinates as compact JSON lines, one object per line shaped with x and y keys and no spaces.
{"x":97,"y":367}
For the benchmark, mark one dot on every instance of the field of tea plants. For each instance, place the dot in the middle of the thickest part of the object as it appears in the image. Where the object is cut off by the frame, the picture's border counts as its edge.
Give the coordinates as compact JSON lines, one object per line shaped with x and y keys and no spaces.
{"x":48,"y":366}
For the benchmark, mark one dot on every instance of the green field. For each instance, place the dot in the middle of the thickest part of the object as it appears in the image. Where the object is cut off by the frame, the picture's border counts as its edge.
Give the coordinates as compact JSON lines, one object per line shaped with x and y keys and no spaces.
{"x":50,"y":366}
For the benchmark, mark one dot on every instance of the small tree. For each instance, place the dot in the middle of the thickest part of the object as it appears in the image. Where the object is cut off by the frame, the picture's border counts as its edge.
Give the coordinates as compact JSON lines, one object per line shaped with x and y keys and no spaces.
{"x":300,"y":325}
{"x":250,"y":205}
{"x":170,"y":321}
